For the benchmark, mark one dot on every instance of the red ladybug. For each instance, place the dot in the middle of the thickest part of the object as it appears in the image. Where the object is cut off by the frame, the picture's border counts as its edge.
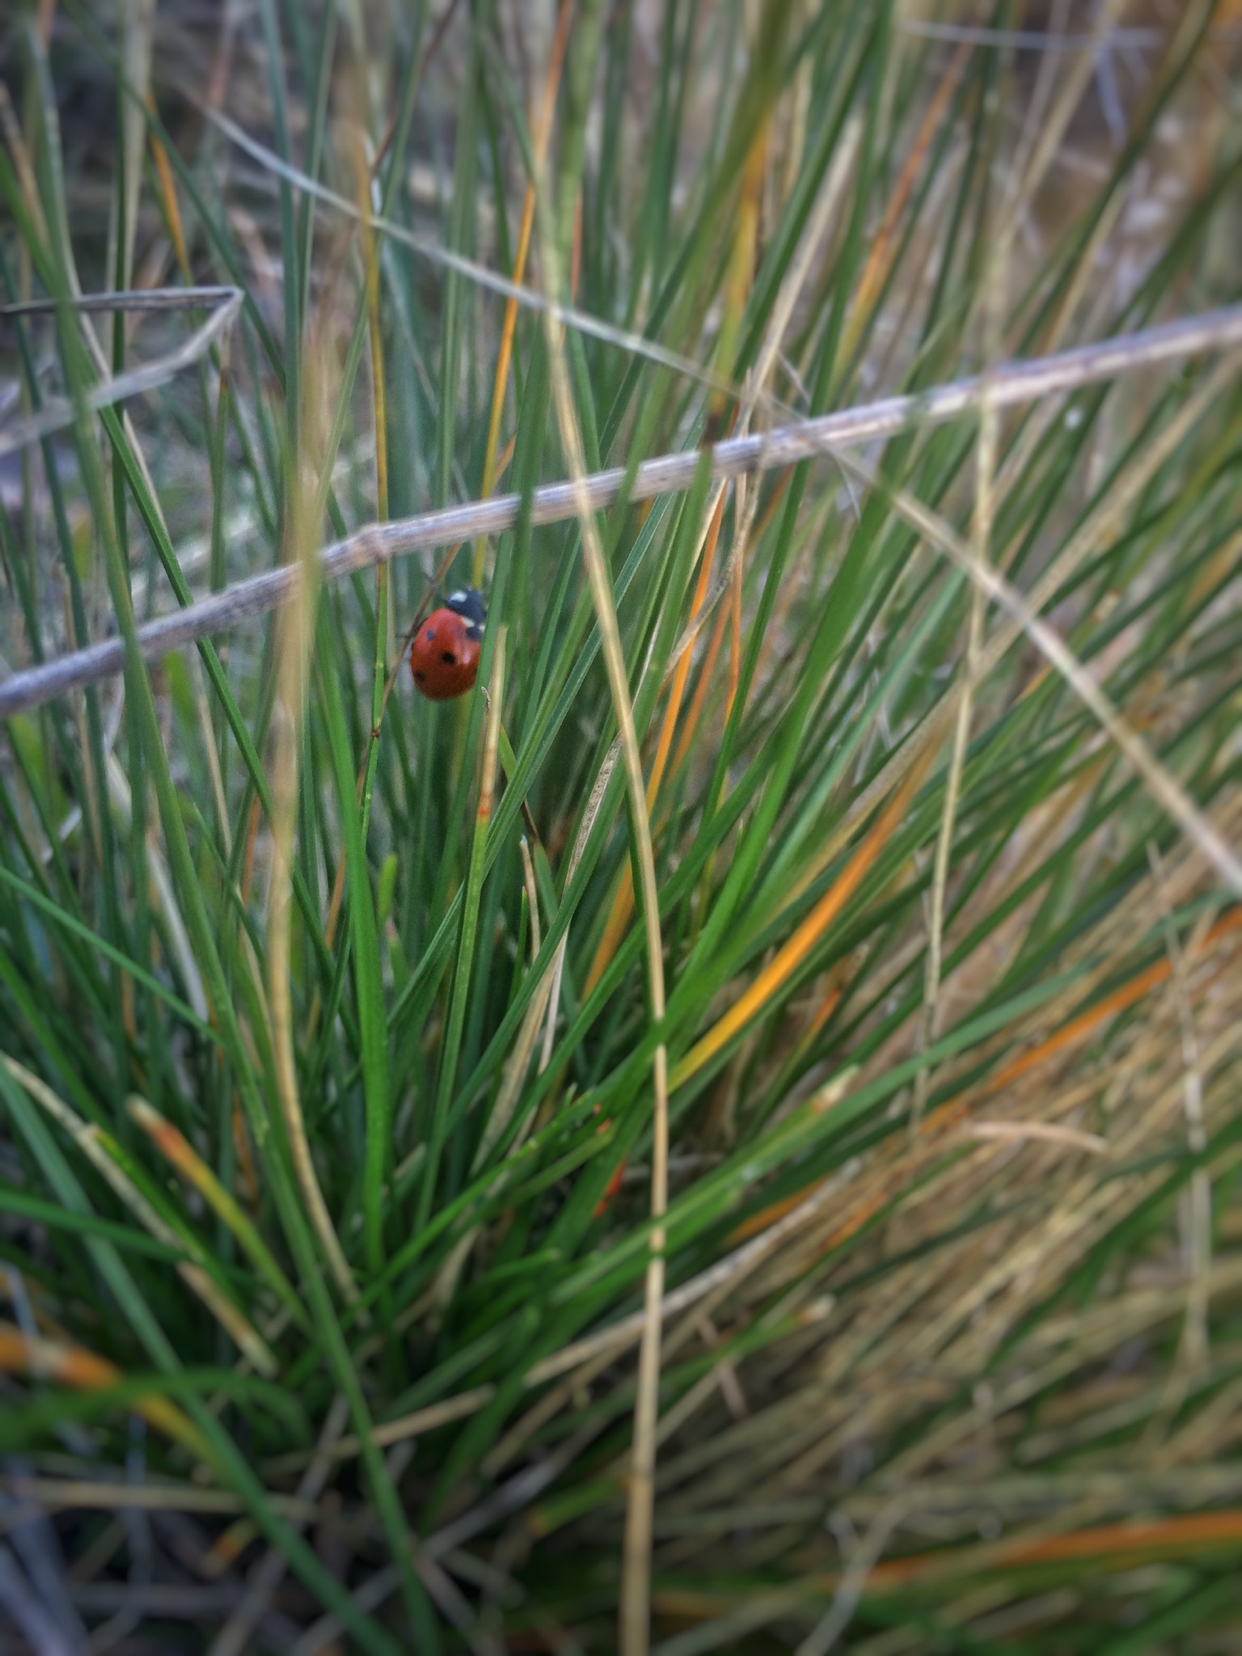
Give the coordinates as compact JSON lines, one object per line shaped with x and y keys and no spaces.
{"x":444,"y":657}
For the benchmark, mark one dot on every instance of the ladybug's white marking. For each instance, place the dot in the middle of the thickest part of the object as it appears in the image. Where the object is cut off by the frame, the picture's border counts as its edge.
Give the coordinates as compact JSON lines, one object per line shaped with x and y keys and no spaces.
{"x":468,"y":604}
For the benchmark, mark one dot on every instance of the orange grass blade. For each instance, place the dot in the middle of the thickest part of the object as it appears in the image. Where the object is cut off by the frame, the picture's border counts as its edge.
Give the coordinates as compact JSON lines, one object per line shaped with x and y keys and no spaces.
{"x":83,"y":1370}
{"x":247,"y":1172}
{"x":228,"y":1547}
{"x":1117,"y":1545}
{"x":1118,"y":1001}
{"x":953,"y":1109}
{"x":1125,"y":1543}
{"x":808,"y":934}
{"x":883,"y":248}
{"x":540,"y":137}
{"x":168,"y":192}
{"x":710,"y":658}
{"x":722,"y":620}
{"x":682,"y":671}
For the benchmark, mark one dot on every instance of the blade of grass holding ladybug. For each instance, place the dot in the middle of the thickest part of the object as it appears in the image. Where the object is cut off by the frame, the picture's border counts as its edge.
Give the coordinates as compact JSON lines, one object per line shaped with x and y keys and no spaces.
{"x":463,"y":964}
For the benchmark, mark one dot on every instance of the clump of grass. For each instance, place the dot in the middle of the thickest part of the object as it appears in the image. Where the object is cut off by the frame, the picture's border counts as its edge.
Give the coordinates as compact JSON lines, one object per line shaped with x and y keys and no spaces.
{"x":731,"y":1126}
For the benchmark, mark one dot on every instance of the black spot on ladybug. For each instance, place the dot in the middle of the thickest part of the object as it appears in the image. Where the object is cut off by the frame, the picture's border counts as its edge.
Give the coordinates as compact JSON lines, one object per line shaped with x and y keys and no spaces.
{"x":448,"y":657}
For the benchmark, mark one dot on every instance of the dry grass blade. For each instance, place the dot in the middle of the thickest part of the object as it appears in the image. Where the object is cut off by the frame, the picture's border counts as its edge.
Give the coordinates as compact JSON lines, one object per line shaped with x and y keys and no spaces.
{"x":1094,"y":531}
{"x":57,"y":415}
{"x":129,"y":300}
{"x":636,"y":1586}
{"x":293,"y":661}
{"x":1050,"y":1132}
{"x":180,"y":1154}
{"x":61,"y":1494}
{"x":982,"y":531}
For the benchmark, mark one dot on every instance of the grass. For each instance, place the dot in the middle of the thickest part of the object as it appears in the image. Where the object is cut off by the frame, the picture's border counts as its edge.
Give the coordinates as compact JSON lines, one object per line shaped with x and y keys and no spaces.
{"x":726,"y":1136}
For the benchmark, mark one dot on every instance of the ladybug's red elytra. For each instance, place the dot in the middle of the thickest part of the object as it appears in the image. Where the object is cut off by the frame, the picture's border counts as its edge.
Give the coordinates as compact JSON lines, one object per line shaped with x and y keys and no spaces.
{"x":444,"y":657}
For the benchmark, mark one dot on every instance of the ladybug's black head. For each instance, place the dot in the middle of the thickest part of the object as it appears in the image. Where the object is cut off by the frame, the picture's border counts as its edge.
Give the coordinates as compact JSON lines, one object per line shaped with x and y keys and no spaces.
{"x":468,"y":603}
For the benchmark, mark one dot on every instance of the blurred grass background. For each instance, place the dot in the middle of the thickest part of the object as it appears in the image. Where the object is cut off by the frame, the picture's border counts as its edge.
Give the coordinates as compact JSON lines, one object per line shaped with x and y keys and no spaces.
{"x":333,"y":1119}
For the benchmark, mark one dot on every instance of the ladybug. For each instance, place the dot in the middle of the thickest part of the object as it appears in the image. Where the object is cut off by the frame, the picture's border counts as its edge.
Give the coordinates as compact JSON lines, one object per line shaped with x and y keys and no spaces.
{"x":444,"y":657}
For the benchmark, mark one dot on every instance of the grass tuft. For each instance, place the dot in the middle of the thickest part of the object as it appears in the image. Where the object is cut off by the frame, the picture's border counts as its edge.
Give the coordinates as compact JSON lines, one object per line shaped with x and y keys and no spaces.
{"x":724,"y":1137}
